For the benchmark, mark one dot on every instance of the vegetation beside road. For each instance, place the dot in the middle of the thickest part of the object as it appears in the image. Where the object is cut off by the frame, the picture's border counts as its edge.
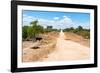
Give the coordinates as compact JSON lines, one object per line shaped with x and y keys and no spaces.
{"x":35,"y":30}
{"x":79,"y":31}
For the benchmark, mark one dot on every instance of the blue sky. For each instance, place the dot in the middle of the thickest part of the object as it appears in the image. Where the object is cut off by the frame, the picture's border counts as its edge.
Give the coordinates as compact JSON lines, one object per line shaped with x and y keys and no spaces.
{"x":59,"y":20}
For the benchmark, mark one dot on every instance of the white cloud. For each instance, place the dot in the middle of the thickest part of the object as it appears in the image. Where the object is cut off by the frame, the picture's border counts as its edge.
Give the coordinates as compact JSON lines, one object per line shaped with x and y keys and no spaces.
{"x":56,"y":18}
{"x":27,"y":19}
{"x":66,"y":20}
{"x":59,"y":23}
{"x":64,"y":16}
{"x":45,"y":22}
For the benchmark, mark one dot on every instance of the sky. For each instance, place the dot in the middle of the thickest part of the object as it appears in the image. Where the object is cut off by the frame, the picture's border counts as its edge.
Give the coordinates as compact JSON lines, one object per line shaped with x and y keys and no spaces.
{"x":59,"y":20}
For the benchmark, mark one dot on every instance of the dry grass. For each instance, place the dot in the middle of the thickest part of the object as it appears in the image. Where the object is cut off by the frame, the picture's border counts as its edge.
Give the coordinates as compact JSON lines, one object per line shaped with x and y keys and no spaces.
{"x":77,"y":38}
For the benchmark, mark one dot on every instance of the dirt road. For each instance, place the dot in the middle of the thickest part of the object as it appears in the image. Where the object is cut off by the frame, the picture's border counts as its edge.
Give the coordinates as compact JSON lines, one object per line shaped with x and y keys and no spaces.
{"x":68,"y":50}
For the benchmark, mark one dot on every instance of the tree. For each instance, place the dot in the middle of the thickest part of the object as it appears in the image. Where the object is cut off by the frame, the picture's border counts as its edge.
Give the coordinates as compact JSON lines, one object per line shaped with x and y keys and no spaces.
{"x":49,"y":27}
{"x":34,"y":22}
{"x":80,"y":28}
{"x":36,"y":29}
{"x":71,"y":28}
{"x":24,"y":32}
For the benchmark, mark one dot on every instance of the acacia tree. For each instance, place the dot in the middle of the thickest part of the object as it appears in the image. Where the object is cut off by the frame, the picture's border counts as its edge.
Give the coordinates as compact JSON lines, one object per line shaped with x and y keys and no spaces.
{"x":35,"y":29}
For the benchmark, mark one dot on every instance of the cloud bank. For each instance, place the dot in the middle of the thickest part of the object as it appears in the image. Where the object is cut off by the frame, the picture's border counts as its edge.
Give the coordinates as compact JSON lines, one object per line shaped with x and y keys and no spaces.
{"x":57,"y":22}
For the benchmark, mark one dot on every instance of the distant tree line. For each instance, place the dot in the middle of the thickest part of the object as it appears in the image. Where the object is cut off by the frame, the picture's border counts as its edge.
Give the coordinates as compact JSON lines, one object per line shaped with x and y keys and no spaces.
{"x":34,"y":30}
{"x":80,"y":31}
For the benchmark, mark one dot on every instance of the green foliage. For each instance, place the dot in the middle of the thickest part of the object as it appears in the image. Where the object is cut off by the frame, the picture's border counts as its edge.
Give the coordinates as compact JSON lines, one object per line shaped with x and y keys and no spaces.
{"x":50,"y":29}
{"x":24,"y":32}
{"x":80,"y":31}
{"x":79,"y":28}
{"x":34,"y":22}
{"x":84,"y":33}
{"x":36,"y":29}
{"x":32,"y":31}
{"x":71,"y":29}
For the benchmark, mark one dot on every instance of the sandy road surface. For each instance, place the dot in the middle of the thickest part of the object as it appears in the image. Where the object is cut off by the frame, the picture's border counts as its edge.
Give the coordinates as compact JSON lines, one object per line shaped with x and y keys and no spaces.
{"x":68,"y":50}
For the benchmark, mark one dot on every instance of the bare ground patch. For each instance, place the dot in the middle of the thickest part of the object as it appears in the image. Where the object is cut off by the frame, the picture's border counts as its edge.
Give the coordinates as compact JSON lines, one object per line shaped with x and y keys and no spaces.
{"x":77,"y":38}
{"x":36,"y":51}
